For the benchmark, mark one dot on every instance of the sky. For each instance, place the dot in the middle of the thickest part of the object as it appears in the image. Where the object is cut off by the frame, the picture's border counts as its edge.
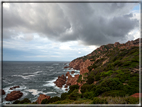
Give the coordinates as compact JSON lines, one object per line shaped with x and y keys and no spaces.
{"x":65,"y":31}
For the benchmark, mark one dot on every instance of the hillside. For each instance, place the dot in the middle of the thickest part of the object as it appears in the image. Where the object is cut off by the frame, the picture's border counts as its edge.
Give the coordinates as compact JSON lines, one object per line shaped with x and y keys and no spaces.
{"x":110,"y":75}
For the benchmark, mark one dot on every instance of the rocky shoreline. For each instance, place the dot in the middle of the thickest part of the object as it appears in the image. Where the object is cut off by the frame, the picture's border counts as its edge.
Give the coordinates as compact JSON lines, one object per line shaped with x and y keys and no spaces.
{"x":63,"y":80}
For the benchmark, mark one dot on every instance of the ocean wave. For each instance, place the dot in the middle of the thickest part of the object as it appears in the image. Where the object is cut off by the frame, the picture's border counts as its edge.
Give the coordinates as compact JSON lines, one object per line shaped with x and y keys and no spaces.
{"x":37,"y":72}
{"x":36,"y":92}
{"x":50,"y":83}
{"x":24,"y":77}
{"x":28,"y":76}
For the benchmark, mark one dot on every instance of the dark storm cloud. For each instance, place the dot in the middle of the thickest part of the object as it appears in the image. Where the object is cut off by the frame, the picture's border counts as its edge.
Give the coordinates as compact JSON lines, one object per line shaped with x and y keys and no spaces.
{"x":91,"y":24}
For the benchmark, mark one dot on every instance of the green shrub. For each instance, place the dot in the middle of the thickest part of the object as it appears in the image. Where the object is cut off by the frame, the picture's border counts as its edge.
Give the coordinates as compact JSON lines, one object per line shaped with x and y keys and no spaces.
{"x":87,"y":87}
{"x":99,"y":90}
{"x":64,"y":96}
{"x":80,"y":78}
{"x":16,"y":102}
{"x":25,"y":100}
{"x":54,"y":99}
{"x":97,"y":76}
{"x":44,"y":101}
{"x":118,"y":63}
{"x":51,"y":100}
{"x":90,"y":80}
{"x":74,"y":95}
{"x":88,"y":95}
{"x":112,"y":83}
{"x":108,"y":73}
{"x":132,"y":100}
{"x":97,"y":100}
{"x":114,"y":93}
{"x":72,"y":88}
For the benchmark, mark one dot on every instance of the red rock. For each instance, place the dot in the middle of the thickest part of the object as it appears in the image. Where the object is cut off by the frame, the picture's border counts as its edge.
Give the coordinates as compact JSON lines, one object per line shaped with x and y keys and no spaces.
{"x":67,"y":73}
{"x":72,"y":80}
{"x":13,"y":95}
{"x":66,"y":67}
{"x":14,"y":87}
{"x":116,"y":44}
{"x":60,"y":81}
{"x":136,"y":95}
{"x":66,"y":86}
{"x":2,"y":91}
{"x":72,"y":72}
{"x":42,"y":97}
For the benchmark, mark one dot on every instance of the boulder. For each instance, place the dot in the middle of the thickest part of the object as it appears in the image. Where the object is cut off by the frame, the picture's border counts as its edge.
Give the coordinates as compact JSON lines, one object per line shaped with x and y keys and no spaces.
{"x":2,"y":91}
{"x":66,"y":67}
{"x":14,"y":87}
{"x":72,"y":80}
{"x":72,"y":72}
{"x":66,"y":86}
{"x":136,"y":95}
{"x":67,"y":73}
{"x":42,"y":97}
{"x":14,"y":95}
{"x":60,"y":81}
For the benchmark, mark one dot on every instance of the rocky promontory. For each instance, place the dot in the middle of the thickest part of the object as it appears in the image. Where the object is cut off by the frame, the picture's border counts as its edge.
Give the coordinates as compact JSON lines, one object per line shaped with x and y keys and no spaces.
{"x":14,"y":95}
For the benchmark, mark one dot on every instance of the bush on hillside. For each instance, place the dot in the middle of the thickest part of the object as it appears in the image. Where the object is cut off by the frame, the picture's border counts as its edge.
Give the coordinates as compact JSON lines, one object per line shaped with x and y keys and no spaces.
{"x":132,"y":100}
{"x":51,"y":100}
{"x":64,"y":96}
{"x":72,"y":88}
{"x":74,"y":95}
{"x":98,"y":100}
{"x":90,"y":80}
{"x":87,"y":87}
{"x":114,"y":93}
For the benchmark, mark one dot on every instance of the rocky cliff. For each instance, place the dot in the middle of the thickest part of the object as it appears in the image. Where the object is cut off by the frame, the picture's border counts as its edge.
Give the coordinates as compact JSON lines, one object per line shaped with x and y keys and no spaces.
{"x":84,"y":62}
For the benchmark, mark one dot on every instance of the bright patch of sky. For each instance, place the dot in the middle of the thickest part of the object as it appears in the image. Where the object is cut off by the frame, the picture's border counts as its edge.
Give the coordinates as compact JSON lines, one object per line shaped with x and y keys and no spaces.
{"x":35,"y":48}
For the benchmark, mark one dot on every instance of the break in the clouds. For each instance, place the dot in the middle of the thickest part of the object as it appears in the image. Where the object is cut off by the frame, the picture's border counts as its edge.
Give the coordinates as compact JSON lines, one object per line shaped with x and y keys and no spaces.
{"x":75,"y":28}
{"x":89,"y":23}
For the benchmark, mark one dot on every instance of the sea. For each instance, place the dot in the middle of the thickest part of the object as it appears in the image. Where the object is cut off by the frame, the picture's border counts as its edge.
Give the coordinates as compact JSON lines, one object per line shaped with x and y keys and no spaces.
{"x":34,"y":78}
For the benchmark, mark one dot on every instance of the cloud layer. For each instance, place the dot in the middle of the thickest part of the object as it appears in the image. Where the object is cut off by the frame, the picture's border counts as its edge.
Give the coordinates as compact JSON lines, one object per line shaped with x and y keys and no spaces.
{"x":88,"y":23}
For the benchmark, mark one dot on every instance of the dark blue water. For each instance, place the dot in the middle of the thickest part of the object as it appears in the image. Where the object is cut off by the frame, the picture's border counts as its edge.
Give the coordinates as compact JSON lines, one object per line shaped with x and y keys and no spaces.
{"x":34,"y":78}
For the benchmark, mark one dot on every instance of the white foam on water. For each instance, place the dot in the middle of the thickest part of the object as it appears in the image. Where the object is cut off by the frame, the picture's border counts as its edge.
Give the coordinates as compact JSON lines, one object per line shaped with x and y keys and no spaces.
{"x":50,"y":83}
{"x":7,"y":89}
{"x":37,"y":72}
{"x":28,"y":76}
{"x":24,"y":77}
{"x":36,"y":92}
{"x":33,"y":91}
{"x":73,"y":75}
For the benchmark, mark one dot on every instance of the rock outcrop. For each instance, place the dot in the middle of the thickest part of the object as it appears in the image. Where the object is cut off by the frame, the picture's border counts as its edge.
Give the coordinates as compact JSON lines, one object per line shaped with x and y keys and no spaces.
{"x":2,"y":91}
{"x":84,"y":66}
{"x":42,"y":97}
{"x":82,"y":63}
{"x":14,"y":87}
{"x":72,"y":80}
{"x":67,"y":73}
{"x":14,"y":95}
{"x":136,"y":95}
{"x":75,"y":64}
{"x":60,"y":81}
{"x":66,"y":67}
{"x":72,"y":72}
